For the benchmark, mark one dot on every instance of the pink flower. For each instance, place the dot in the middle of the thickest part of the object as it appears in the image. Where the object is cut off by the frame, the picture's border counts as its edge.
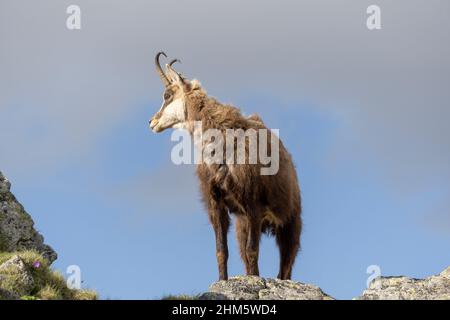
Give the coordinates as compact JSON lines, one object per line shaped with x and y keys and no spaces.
{"x":37,"y":264}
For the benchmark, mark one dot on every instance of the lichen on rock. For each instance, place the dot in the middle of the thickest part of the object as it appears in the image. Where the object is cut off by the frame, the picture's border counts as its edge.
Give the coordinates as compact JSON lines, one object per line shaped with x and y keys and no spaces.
{"x":256,"y":288}
{"x":436,"y":287}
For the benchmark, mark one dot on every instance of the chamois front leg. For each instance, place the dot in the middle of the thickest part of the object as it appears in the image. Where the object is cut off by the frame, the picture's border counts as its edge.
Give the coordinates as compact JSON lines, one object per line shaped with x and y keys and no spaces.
{"x":220,"y":220}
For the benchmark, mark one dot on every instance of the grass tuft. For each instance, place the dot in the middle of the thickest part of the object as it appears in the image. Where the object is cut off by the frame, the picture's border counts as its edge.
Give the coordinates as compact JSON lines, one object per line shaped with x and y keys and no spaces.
{"x":48,"y":284}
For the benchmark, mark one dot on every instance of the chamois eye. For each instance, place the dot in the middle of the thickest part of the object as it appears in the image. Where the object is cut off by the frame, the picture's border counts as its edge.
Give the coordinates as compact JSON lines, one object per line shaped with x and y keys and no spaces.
{"x":167,"y":96}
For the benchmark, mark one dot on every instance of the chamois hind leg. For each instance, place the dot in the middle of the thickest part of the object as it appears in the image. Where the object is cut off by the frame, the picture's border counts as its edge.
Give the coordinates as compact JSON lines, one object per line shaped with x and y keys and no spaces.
{"x":252,"y":247}
{"x":219,"y":218}
{"x":288,"y":240}
{"x":242,"y":235}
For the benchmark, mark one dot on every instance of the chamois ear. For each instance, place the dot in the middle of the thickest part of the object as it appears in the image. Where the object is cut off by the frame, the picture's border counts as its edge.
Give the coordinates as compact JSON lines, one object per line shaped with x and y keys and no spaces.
{"x":195,"y":84}
{"x":190,"y":85}
{"x":173,"y":76}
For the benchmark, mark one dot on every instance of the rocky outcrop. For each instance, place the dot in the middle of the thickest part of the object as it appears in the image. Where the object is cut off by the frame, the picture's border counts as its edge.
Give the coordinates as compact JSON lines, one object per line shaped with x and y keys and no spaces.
{"x":25,"y":260}
{"x":436,"y":287}
{"x":17,"y":231}
{"x":255,"y":288}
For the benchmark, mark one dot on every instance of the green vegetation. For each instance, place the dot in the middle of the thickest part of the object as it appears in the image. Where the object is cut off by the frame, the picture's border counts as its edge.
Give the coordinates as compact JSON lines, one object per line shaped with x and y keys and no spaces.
{"x":47,"y":284}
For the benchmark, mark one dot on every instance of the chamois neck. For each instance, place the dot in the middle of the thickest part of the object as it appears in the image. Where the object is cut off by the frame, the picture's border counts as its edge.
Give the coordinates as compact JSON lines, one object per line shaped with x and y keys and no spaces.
{"x":213,"y":114}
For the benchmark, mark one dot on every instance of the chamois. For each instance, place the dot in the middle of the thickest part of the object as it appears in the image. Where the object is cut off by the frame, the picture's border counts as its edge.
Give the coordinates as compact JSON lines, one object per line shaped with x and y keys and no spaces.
{"x":261,"y":203}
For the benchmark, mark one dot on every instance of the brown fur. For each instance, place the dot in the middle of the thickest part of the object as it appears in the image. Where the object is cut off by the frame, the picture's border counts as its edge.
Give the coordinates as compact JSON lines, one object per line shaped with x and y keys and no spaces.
{"x":261,"y":203}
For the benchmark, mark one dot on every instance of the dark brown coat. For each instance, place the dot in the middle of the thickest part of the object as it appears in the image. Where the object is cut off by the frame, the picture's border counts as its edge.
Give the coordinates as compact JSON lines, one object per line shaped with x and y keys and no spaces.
{"x":261,"y":203}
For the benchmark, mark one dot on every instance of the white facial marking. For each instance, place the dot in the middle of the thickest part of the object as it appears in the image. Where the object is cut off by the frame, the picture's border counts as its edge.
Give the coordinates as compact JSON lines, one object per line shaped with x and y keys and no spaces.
{"x":172,"y":114}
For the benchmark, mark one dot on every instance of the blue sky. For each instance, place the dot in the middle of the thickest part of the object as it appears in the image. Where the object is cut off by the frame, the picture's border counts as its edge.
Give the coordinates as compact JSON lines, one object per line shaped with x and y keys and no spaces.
{"x":364,"y":115}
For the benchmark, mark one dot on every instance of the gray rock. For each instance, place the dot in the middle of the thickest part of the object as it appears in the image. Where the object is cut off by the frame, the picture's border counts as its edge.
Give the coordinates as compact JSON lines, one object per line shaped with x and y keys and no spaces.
{"x":5,"y":185}
{"x":436,"y":287}
{"x":17,"y":231}
{"x":256,"y":288}
{"x":291,"y":290}
{"x":15,"y":279}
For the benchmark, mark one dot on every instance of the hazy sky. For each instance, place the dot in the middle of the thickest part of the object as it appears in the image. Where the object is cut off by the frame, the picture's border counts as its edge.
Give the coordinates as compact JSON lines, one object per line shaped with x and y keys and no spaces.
{"x":364,"y":113}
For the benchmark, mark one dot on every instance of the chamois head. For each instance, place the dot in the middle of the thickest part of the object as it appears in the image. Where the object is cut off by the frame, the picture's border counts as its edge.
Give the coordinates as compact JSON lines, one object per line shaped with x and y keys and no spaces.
{"x":172,"y":113}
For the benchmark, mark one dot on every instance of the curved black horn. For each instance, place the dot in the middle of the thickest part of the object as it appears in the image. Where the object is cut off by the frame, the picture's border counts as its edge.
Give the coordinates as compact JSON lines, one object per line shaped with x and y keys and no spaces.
{"x":161,"y":74}
{"x":173,"y":61}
